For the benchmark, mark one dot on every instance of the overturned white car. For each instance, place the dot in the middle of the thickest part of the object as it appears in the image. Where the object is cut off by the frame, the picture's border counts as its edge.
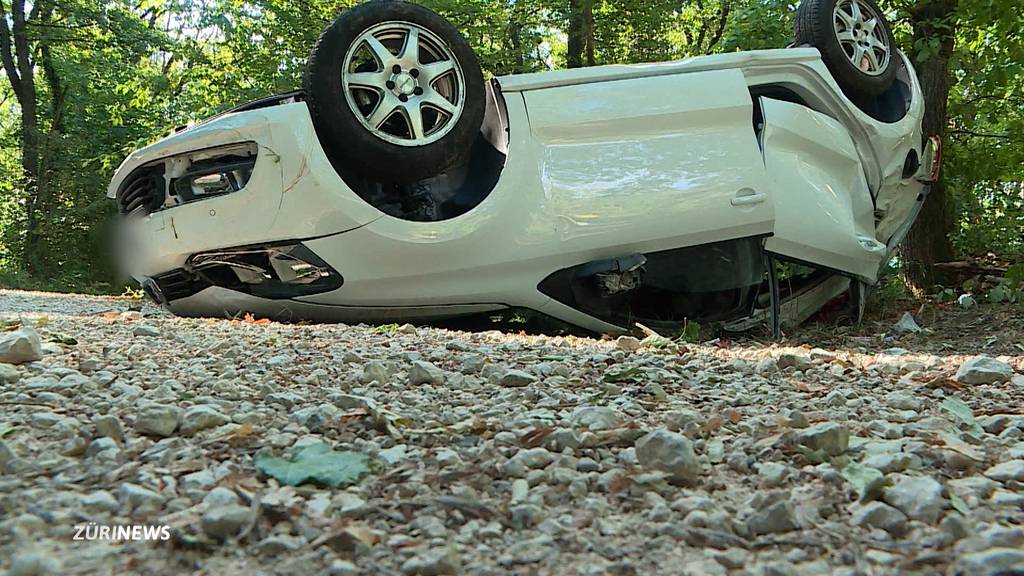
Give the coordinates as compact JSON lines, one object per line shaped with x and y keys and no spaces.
{"x":399,"y":185}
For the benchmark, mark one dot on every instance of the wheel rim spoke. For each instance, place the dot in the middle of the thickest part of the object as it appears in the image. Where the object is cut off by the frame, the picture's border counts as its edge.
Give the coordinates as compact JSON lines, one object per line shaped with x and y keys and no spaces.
{"x":435,"y":100}
{"x":859,"y":32}
{"x":414,"y":116}
{"x":385,"y":108}
{"x":845,"y":17}
{"x":403,"y":85}
{"x":411,"y":50}
{"x":435,"y":70}
{"x":872,"y":60}
{"x":384,"y":56}
{"x":373,"y":80}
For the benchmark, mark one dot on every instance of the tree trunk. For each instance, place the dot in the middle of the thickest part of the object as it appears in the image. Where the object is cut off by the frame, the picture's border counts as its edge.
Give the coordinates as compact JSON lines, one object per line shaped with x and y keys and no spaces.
{"x":16,"y":57}
{"x":580,"y":47}
{"x":928,"y":241}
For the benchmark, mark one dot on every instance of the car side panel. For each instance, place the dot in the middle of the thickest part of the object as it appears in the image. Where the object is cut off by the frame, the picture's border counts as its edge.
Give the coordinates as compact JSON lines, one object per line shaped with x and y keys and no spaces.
{"x":594,"y":171}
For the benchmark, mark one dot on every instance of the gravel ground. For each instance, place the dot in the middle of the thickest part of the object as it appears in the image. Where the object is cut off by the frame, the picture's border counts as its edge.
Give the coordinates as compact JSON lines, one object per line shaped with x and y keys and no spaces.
{"x":493,"y":453}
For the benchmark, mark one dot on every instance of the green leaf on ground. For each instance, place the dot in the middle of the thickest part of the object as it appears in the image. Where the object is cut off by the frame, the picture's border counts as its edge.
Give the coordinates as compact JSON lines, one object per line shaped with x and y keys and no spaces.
{"x":623,"y":375}
{"x":959,"y":505}
{"x":813,"y":456}
{"x":865,"y":480}
{"x":957,"y":445}
{"x":962,"y":412}
{"x":316,"y":463}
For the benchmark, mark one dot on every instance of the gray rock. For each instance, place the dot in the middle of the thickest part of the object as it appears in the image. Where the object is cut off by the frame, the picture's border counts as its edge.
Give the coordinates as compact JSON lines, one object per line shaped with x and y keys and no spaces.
{"x":375,"y":371}
{"x":627,"y":343}
{"x":920,"y":498}
{"x":20,"y":346}
{"x":91,"y":364}
{"x":904,"y":401}
{"x":991,"y":562}
{"x":1006,"y":471}
{"x":201,"y":417}
{"x":138,"y":499}
{"x":516,"y":379}
{"x":520,"y":489}
{"x":433,"y":562}
{"x":531,"y":458}
{"x":199,"y":481}
{"x":220,"y":497}
{"x":880,"y":515}
{"x":983,"y":370}
{"x":829,"y":437}
{"x":280,"y":361}
{"x":889,"y":462}
{"x":525,"y":516}
{"x":772,"y":474}
{"x":906,"y":324}
{"x":773,"y":518}
{"x":32,"y":563}
{"x":109,"y":426}
{"x":793,"y":360}
{"x":669,"y":452}
{"x":144,"y":330}
{"x":425,"y":373}
{"x":287,"y":399}
{"x":100,"y":445}
{"x":341,"y":567}
{"x":224,"y":522}
{"x":9,"y":374}
{"x":798,"y":419}
{"x":10,"y":462}
{"x":595,"y":418}
{"x":157,"y":420}
{"x":278,"y":544}
{"x":101,"y":500}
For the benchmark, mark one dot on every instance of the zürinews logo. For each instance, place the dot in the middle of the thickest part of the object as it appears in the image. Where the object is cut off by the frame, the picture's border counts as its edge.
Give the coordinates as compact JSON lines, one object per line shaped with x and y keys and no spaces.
{"x":94,"y":531}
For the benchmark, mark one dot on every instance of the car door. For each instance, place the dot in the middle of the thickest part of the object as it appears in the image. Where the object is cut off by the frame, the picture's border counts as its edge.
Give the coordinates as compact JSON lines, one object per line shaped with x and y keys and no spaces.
{"x":824,"y":214}
{"x":647,"y":163}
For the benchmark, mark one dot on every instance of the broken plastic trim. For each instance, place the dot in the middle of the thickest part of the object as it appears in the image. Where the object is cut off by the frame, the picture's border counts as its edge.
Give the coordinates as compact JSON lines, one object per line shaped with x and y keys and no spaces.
{"x":273,"y":271}
{"x":706,"y":283}
{"x":187,"y":177}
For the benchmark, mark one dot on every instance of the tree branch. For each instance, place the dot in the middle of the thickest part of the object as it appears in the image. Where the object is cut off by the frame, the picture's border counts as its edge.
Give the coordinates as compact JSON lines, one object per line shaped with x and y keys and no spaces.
{"x":21,"y":48}
{"x":723,"y":16}
{"x":5,"y":54}
{"x":967,"y":132}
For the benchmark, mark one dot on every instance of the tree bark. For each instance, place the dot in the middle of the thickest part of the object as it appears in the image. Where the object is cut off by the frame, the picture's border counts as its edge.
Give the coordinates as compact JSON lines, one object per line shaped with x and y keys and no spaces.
{"x":580,"y":49}
{"x":16,"y":56}
{"x":928,"y":241}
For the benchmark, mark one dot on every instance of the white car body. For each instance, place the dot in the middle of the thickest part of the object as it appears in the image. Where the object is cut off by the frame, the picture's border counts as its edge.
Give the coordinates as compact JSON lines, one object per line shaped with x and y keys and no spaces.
{"x":601,"y":163}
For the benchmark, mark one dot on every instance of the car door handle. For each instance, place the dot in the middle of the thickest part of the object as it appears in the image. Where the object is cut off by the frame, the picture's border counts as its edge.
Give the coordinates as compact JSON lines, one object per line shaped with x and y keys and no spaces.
{"x":748,"y":197}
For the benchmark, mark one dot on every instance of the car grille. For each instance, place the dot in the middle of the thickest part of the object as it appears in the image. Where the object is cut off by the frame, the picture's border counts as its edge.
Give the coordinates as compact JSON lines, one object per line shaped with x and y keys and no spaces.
{"x":174,"y":285}
{"x":142,"y":192}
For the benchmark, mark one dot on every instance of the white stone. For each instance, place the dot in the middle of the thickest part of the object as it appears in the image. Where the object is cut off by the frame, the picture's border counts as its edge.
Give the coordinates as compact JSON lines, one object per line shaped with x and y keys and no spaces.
{"x":983,"y":370}
{"x":669,"y":452}
{"x":20,"y":346}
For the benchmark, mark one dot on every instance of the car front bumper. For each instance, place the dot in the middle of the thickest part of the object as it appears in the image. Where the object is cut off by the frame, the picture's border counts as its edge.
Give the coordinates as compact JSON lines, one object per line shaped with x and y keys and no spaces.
{"x":293,"y":193}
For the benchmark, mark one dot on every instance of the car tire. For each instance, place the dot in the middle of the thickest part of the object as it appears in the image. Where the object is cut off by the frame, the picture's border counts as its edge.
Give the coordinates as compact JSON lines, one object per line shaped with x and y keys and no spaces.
{"x":866,"y":39}
{"x":390,"y":112}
